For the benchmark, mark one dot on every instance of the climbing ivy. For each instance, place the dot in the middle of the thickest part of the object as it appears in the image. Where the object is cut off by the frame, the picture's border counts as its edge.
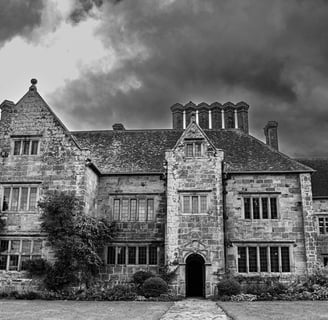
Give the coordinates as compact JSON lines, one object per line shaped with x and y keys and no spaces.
{"x":76,"y":239}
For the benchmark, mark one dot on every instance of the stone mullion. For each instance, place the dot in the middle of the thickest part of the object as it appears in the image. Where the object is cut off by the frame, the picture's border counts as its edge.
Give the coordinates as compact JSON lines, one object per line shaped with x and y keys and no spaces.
{"x":116,"y":255}
{"x":8,"y":254}
{"x":269,"y":207}
{"x":19,"y":198}
{"x":260,"y":207}
{"x":30,"y":147}
{"x":28,"y":198}
{"x":126,"y":255}
{"x":258,"y":258}
{"x":269,"y":259}
{"x":252,"y":214}
{"x":137,"y":254}
{"x":10,"y":198}
{"x":247,"y":260}
{"x":19,"y":266}
{"x":147,"y":255}
{"x":279,"y":259}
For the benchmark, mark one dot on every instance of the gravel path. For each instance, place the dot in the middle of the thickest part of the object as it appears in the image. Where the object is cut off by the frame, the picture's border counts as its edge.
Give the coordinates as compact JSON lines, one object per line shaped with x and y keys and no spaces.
{"x":195,"y":309}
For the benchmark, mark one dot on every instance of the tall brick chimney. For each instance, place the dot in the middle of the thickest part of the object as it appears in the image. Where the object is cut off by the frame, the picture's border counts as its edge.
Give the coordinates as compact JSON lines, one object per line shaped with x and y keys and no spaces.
{"x":177,"y":114}
{"x":271,"y":134}
{"x":242,"y":114}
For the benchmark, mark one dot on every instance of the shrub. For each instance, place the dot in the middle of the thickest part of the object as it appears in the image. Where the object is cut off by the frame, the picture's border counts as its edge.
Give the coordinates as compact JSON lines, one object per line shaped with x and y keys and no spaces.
{"x":154,"y":287}
{"x":228,"y":287}
{"x":120,"y":292}
{"x":59,"y":276}
{"x":76,"y":239}
{"x":140,"y":277}
{"x":166,"y":274}
{"x":243,"y":297}
{"x":36,"y":267}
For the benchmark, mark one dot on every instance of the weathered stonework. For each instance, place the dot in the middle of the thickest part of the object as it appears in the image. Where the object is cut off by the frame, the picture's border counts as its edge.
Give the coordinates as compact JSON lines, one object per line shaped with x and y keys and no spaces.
{"x":202,"y":233}
{"x":196,"y":182}
{"x":288,"y":228}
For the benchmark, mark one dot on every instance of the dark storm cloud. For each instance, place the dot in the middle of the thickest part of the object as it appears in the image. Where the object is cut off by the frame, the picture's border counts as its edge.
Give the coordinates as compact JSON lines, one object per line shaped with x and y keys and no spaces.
{"x":272,"y":54}
{"x":19,"y":18}
{"x":82,"y":8}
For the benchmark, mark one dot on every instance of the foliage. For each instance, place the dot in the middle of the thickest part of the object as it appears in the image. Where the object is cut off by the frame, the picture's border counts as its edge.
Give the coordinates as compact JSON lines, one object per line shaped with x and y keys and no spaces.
{"x":76,"y":239}
{"x":228,"y":287}
{"x":140,"y":277}
{"x":319,"y":276}
{"x":166,"y":274}
{"x":120,"y":292}
{"x":36,"y":267}
{"x":243,"y":297}
{"x":154,"y":287}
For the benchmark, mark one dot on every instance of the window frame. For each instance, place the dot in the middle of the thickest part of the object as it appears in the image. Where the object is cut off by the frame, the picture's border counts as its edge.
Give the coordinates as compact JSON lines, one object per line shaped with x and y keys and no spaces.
{"x":127,"y":248}
{"x":22,"y":141}
{"x":324,"y":226}
{"x":282,"y":261}
{"x":139,"y":202}
{"x":195,"y":153}
{"x":20,"y":187}
{"x":192,"y":196}
{"x":10,"y":252}
{"x":258,"y":196}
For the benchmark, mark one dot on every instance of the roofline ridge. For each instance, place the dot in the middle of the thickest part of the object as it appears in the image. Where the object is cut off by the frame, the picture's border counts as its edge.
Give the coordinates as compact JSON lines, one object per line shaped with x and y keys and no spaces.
{"x":126,"y":130}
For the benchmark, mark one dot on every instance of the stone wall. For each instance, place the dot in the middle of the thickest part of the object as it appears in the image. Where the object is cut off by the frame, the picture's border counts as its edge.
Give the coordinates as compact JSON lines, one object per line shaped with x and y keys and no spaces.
{"x":58,"y":165}
{"x":287,"y":229}
{"x":189,"y":233}
{"x":133,"y":232}
{"x":320,"y":208}
{"x":91,"y":189}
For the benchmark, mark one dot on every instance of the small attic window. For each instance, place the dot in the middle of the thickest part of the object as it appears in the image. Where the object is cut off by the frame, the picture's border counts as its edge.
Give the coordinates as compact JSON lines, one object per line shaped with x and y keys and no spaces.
{"x":194,"y":149}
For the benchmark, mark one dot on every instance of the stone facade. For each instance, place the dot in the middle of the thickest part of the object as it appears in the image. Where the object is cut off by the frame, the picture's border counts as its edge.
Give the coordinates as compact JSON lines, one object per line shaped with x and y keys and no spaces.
{"x":204,"y":199}
{"x":199,"y":233}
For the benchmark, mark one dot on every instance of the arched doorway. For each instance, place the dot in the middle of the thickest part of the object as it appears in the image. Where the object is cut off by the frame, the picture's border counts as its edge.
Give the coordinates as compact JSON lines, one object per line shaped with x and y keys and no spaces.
{"x":195,"y":276}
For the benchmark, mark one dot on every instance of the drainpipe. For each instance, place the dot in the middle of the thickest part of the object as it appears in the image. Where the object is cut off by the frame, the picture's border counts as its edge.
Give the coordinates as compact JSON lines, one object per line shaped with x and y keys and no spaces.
{"x":225,"y":217}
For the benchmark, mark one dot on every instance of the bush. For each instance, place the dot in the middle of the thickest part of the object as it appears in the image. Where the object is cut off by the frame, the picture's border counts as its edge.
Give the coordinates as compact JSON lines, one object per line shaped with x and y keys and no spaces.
{"x":140,"y":277}
{"x":154,"y":287}
{"x":244,"y":297}
{"x":59,"y":276}
{"x":120,"y":292}
{"x":37,"y":267}
{"x":228,"y":287}
{"x":166,"y":274}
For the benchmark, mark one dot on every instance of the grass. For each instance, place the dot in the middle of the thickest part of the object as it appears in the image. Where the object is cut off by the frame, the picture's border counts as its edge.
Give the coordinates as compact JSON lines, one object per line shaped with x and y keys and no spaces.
{"x":81,"y":310}
{"x":276,"y":310}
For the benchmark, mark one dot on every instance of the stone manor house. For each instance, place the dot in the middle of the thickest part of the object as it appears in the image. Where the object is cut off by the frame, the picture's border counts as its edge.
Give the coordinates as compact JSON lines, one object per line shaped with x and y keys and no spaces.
{"x":205,"y":197}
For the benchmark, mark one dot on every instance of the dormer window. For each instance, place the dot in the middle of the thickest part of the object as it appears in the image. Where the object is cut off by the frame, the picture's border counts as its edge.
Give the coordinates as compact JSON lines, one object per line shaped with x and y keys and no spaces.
{"x":194,"y":149}
{"x":26,"y":147}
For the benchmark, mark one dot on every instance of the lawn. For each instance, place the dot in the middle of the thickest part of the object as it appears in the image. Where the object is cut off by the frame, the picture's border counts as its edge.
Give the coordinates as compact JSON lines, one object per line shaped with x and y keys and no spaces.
{"x":276,"y":310}
{"x":81,"y":310}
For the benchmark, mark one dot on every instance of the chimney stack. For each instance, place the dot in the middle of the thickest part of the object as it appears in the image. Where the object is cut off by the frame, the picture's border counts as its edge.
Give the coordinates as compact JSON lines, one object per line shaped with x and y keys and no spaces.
{"x":271,"y":134}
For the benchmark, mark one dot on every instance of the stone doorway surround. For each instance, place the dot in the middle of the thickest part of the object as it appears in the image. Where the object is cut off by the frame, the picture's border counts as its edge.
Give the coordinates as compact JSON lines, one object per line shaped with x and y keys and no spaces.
{"x":195,"y":276}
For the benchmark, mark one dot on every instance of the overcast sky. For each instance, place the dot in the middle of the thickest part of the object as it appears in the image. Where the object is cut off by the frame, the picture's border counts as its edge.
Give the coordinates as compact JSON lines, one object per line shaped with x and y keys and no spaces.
{"x":99,"y":62}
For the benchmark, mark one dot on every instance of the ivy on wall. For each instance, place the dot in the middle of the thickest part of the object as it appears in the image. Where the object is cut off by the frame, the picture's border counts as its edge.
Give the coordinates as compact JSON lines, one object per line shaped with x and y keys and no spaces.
{"x":76,"y":239}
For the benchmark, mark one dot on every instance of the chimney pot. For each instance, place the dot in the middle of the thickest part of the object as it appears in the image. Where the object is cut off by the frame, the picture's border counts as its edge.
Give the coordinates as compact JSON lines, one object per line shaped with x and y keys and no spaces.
{"x":118,"y":127}
{"x":271,"y":134}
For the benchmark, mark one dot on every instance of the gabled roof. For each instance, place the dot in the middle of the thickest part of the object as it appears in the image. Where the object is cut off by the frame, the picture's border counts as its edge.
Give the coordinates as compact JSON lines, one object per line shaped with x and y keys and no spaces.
{"x":143,"y":151}
{"x":319,"y":177}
